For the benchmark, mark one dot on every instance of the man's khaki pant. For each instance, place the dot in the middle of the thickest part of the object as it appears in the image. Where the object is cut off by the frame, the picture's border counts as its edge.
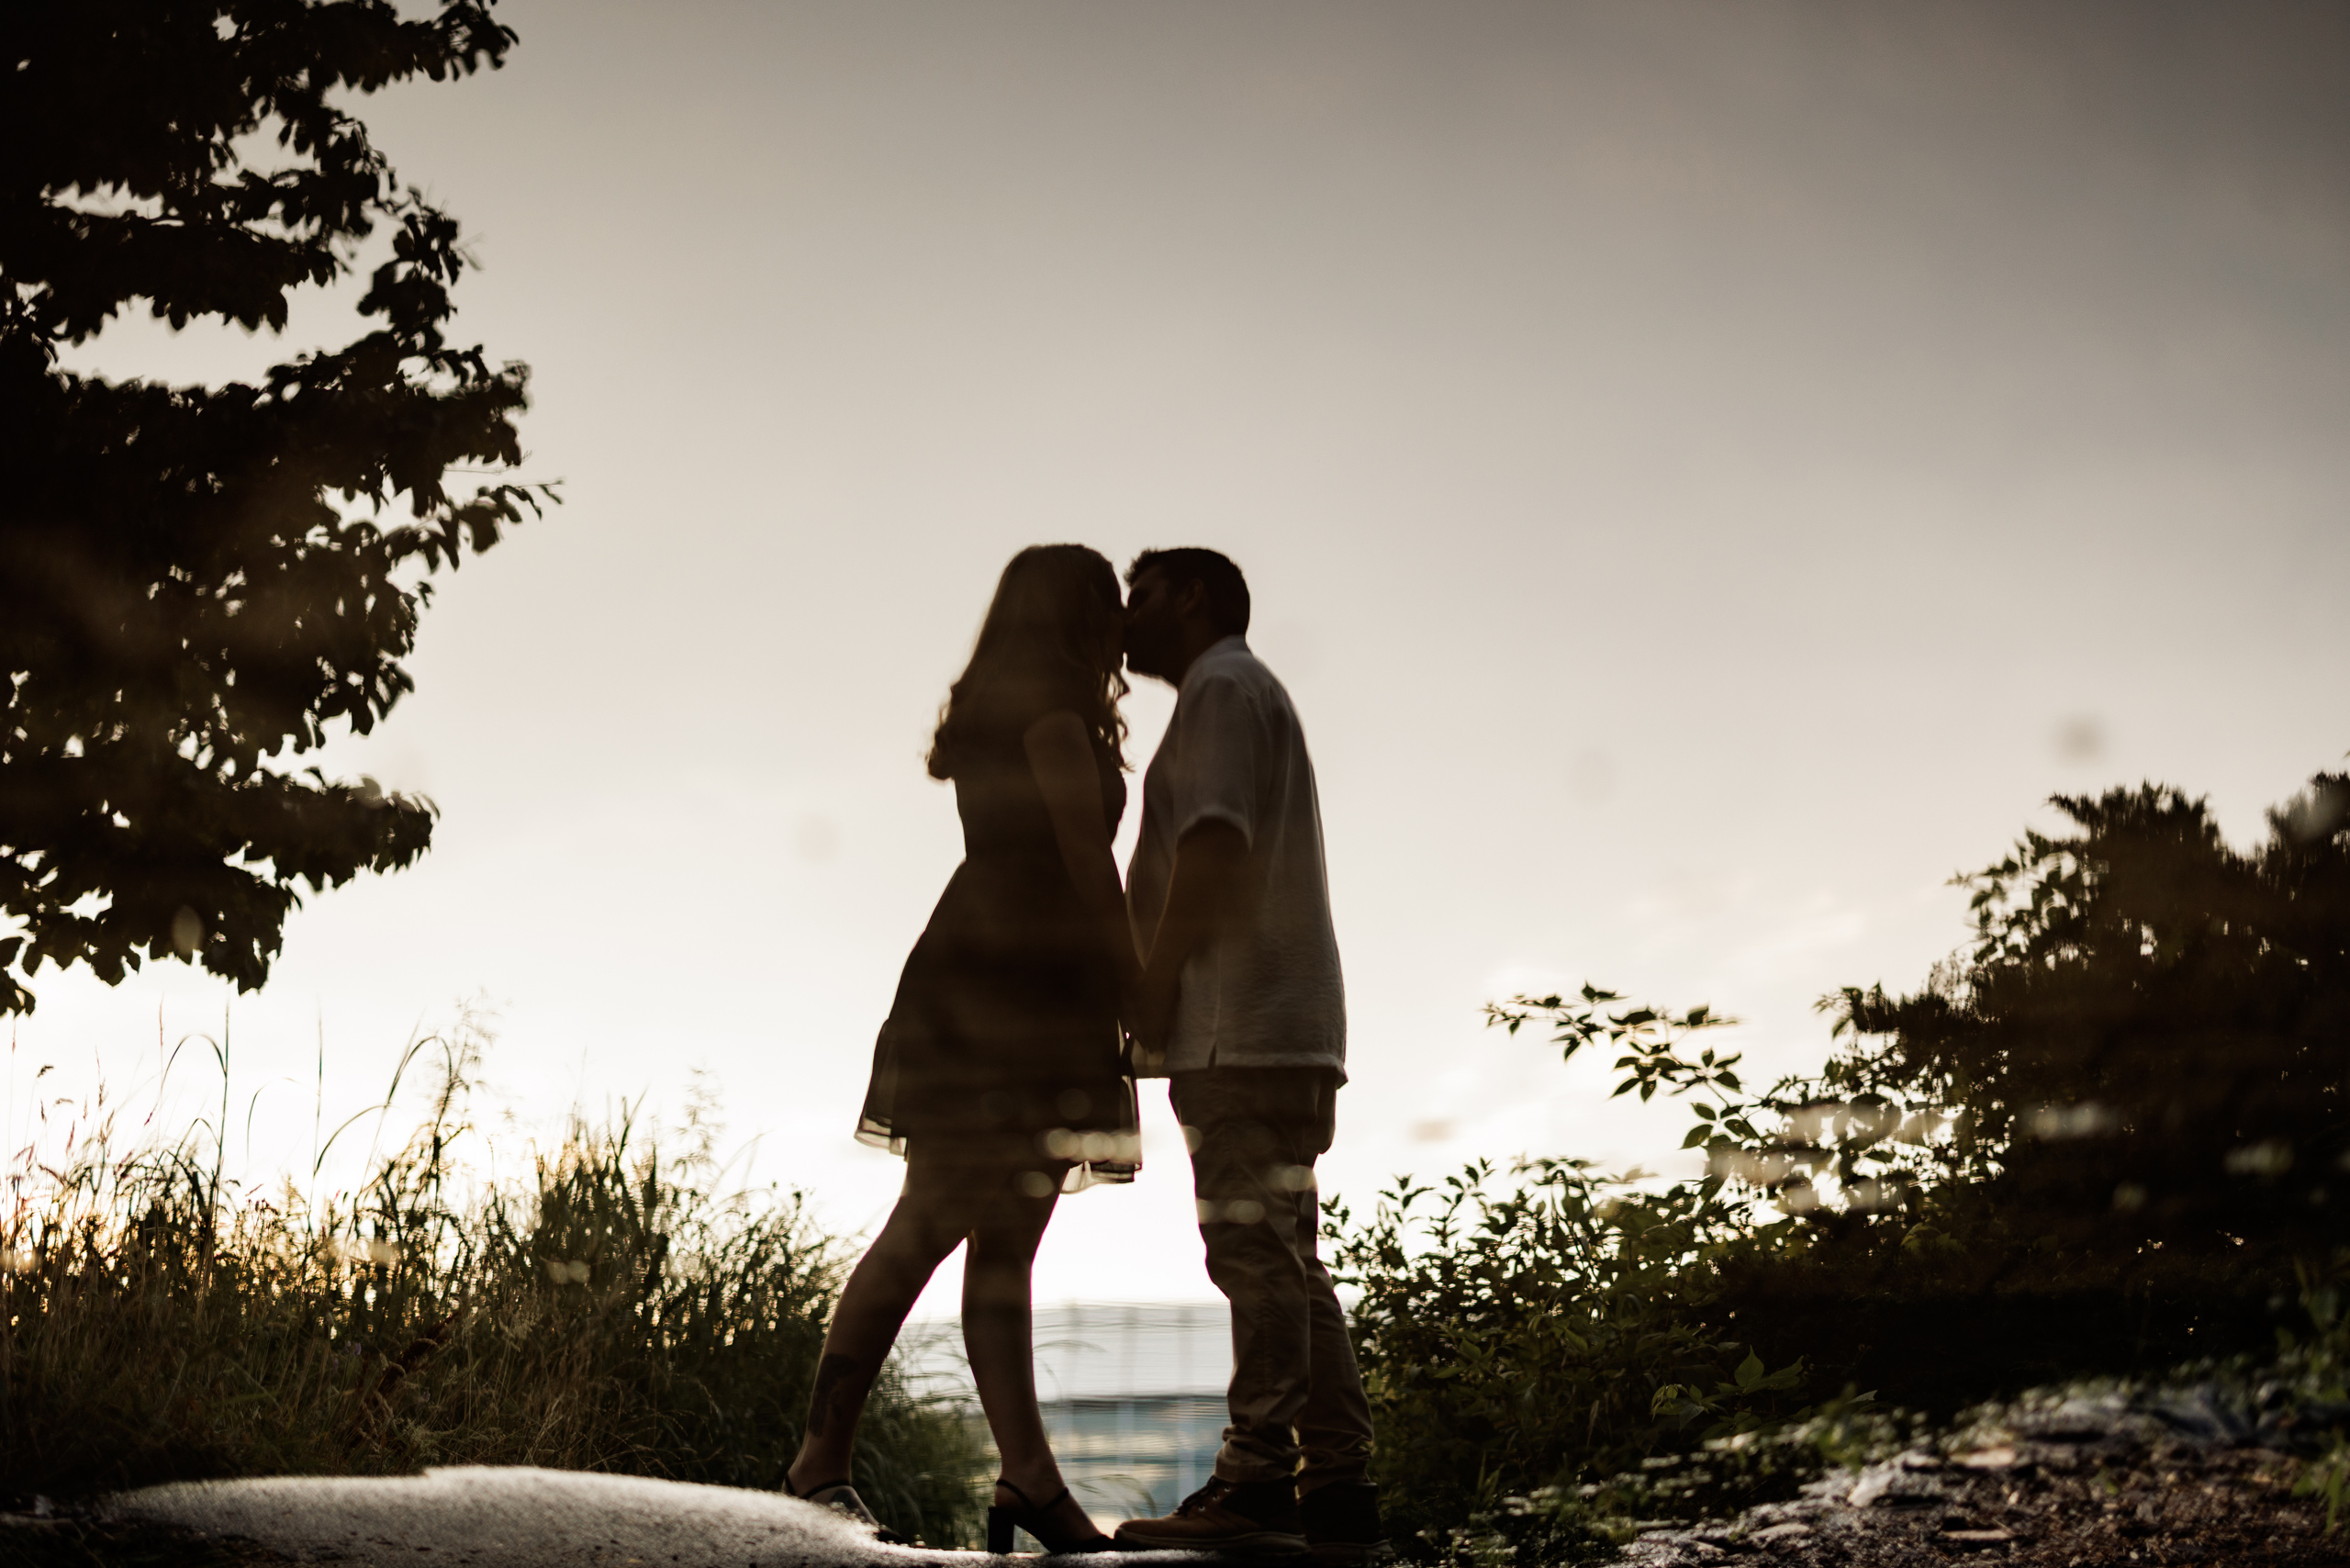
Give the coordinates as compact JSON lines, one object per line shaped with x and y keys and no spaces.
{"x":1297,"y":1401}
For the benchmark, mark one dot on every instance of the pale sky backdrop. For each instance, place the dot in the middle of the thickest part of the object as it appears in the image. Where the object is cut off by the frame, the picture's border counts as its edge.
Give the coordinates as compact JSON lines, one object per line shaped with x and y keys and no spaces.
{"x":1708,"y":473}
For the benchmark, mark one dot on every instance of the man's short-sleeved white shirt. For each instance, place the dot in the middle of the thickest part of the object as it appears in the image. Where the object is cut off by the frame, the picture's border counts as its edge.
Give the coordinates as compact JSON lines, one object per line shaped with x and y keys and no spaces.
{"x":1266,"y":989}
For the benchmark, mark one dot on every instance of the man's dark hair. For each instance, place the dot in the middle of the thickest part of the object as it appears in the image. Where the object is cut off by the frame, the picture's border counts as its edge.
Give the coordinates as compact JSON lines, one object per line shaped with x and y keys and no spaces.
{"x":1227,"y":590}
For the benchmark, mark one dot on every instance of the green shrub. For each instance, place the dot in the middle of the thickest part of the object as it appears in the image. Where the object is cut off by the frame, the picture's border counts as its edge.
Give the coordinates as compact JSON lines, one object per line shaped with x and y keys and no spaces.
{"x":2109,"y":1137}
{"x":1557,"y":1327}
{"x":612,"y":1312}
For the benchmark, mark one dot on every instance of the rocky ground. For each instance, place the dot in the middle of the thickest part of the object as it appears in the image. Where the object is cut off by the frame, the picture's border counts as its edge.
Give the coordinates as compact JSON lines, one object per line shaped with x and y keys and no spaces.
{"x":2212,"y":1475}
{"x":2204,"y":1476}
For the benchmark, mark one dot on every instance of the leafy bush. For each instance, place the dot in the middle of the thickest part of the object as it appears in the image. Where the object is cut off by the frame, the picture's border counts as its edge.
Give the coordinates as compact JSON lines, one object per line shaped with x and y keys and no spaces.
{"x":2106,"y":1138}
{"x":612,"y":1313}
{"x":1563,"y":1325}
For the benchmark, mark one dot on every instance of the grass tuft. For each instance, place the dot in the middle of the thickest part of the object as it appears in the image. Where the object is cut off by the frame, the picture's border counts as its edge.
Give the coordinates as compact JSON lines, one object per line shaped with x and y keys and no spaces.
{"x":611,"y":1311}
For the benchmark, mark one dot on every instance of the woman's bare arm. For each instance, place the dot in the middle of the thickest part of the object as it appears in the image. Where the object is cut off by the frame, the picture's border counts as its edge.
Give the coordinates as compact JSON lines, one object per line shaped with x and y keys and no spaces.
{"x":1062,"y":759}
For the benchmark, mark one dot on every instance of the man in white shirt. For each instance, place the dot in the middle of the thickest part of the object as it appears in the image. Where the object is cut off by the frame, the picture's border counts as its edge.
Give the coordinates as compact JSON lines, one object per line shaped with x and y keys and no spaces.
{"x":1243,"y":1010}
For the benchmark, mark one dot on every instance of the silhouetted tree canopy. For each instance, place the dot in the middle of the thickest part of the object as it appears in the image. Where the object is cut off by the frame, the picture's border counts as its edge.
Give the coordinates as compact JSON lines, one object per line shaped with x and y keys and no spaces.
{"x":2151,"y":1039}
{"x":196,"y":580}
{"x":2109,"y":1137}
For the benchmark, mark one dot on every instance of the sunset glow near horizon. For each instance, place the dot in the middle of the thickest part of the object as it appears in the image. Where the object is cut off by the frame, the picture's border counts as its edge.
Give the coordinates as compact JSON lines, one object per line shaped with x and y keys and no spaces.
{"x":1707,"y":475}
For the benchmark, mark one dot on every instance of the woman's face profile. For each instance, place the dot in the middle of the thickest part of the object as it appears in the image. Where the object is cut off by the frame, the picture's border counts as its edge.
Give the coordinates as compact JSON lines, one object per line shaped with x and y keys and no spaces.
{"x":1109,"y":626}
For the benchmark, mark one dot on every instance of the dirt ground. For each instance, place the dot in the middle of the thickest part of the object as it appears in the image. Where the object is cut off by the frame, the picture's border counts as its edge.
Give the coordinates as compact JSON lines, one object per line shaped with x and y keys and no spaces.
{"x":2047,"y":1505}
{"x":2199,"y":1477}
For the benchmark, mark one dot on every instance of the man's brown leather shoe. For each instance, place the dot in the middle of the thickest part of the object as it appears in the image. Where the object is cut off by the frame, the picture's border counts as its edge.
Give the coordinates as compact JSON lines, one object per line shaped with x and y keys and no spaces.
{"x":1251,"y":1518}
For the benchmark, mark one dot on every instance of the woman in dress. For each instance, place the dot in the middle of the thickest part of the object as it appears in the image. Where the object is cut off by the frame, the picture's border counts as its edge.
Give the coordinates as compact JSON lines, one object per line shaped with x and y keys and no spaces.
{"x":997,"y":1074}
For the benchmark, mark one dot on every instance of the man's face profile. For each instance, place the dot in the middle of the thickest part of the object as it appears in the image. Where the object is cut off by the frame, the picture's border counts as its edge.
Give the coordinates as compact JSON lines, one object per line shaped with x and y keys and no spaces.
{"x":1154,"y":623}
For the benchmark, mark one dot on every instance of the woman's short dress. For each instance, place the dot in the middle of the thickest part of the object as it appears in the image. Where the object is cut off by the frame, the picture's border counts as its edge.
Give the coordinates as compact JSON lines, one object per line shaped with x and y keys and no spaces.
{"x":1003,"y":1039}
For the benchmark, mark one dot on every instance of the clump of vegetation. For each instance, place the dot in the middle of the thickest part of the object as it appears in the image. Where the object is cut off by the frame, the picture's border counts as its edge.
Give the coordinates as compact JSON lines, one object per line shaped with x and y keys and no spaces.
{"x":1539,"y":1336}
{"x":2106,"y":1139}
{"x":612,"y":1311}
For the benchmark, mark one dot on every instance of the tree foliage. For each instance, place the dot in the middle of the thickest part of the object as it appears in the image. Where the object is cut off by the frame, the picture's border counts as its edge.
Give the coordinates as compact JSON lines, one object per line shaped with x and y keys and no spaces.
{"x":2149,"y":1040}
{"x":198,"y":581}
{"x":2107,"y":1137}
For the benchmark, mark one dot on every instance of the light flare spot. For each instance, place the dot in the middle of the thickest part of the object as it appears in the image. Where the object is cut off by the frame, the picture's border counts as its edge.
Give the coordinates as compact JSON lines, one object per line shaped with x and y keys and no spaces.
{"x":2087,"y":1119}
{"x":2272,"y":1157}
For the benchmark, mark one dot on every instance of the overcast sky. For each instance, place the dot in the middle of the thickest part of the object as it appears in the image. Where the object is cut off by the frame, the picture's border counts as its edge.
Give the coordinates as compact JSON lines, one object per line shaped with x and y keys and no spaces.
{"x":1707,"y":474}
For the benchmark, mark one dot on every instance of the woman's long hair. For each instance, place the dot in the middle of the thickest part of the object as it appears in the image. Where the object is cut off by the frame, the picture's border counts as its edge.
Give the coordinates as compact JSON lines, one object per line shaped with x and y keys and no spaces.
{"x":1050,"y":640}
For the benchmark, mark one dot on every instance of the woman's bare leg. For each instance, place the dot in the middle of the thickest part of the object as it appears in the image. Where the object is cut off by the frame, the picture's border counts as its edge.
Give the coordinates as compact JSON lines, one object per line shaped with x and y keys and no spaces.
{"x":998,"y":1339}
{"x":929,"y":1221}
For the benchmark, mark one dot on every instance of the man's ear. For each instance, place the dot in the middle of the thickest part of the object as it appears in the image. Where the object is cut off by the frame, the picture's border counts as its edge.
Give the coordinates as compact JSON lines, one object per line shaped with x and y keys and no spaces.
{"x":1191,"y":600}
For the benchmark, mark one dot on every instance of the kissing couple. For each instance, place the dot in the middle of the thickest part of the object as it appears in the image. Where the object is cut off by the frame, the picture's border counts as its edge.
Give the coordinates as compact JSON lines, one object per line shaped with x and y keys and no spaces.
{"x":1040,"y":990}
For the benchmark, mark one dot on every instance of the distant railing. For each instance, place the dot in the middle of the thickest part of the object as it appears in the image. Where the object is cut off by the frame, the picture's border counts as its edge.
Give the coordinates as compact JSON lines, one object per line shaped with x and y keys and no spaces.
{"x":1132,"y":1392}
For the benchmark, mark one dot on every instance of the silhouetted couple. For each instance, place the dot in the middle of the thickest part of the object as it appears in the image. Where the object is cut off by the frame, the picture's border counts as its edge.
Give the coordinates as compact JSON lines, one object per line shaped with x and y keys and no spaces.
{"x":1005,"y":1077}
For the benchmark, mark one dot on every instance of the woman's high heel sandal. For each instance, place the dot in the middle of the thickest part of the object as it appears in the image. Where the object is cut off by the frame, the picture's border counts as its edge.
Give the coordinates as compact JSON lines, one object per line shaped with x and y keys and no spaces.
{"x":1037,"y":1521}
